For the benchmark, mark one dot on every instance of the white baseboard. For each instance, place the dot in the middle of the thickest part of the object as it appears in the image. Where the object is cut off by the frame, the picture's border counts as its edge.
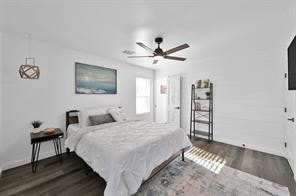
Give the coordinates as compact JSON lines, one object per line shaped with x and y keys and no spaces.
{"x":26,"y":160}
{"x":250,"y":146}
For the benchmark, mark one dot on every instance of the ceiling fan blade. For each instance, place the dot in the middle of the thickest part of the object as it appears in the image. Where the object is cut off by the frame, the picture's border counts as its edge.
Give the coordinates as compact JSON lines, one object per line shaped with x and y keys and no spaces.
{"x":155,"y":61}
{"x":145,"y":47}
{"x":175,"y":58}
{"x":176,"y":49}
{"x":138,"y":56}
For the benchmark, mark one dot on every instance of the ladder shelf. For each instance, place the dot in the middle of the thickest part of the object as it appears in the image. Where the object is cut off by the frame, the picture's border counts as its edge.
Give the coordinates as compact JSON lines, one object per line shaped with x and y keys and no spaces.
{"x":199,"y":116}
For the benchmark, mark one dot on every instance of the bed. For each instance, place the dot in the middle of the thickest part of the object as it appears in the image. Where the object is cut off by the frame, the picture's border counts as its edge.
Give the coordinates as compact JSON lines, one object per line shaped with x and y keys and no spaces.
{"x":125,"y":153}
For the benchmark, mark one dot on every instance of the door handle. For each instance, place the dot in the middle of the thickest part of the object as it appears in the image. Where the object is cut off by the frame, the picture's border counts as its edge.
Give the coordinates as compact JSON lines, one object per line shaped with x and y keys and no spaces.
{"x":178,"y":108}
{"x":291,"y":119}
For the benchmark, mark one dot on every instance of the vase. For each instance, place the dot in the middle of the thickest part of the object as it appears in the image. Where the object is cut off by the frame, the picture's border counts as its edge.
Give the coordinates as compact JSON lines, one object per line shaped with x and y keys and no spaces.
{"x":198,"y":83}
{"x":197,"y":106}
{"x":36,"y":130}
{"x":206,"y":83}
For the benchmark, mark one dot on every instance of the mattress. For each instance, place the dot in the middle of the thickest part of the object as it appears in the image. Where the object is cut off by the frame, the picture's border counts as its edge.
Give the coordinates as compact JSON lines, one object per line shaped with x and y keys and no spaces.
{"x":125,"y":153}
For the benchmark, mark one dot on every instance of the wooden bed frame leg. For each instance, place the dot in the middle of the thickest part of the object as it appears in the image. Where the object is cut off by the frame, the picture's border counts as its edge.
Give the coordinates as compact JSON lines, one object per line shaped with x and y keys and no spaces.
{"x":183,"y":155}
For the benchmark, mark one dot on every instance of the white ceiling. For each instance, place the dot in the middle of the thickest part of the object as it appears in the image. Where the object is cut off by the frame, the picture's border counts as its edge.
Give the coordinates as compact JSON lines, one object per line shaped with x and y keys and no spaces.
{"x":107,"y":27}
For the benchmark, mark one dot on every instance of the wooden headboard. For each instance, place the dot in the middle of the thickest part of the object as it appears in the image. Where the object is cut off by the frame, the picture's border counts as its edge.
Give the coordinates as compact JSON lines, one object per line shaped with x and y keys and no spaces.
{"x":71,"y":117}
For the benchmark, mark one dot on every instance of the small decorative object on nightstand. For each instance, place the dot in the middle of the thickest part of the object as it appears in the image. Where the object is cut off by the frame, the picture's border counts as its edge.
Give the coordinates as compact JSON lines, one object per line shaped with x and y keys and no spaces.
{"x":38,"y":138}
{"x":36,"y":124}
{"x":49,"y":130}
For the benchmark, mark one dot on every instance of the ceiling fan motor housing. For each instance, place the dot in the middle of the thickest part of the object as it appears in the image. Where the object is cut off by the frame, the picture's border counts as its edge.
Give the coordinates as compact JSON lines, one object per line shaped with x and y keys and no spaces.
{"x":158,"y":51}
{"x":158,"y":40}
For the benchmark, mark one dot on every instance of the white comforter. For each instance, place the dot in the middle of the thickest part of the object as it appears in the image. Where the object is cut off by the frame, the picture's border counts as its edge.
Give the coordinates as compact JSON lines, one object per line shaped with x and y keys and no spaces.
{"x":125,"y":153}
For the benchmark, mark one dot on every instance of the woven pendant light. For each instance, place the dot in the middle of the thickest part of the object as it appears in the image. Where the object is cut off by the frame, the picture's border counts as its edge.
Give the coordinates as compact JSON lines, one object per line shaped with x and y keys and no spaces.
{"x":29,"y":71}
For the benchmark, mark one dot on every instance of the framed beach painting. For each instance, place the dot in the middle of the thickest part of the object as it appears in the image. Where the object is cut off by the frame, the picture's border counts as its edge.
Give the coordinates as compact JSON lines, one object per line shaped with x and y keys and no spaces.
{"x":91,"y":79}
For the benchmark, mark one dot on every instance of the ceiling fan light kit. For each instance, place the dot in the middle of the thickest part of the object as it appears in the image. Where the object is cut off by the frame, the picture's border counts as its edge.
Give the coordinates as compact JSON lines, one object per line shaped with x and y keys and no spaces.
{"x":158,"y":57}
{"x":158,"y":53}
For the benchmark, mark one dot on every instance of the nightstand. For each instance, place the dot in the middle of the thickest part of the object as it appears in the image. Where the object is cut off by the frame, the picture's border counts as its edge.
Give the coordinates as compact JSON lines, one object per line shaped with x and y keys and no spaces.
{"x":38,"y":138}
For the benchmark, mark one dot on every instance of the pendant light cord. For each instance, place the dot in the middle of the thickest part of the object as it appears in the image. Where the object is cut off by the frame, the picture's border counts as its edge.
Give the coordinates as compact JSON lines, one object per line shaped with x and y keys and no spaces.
{"x":29,"y":45}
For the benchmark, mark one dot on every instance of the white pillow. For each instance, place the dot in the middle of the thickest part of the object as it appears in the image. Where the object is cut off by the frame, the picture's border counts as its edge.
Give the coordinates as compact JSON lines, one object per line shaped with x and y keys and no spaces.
{"x":118,"y":114}
{"x":85,"y":113}
{"x":123,"y":114}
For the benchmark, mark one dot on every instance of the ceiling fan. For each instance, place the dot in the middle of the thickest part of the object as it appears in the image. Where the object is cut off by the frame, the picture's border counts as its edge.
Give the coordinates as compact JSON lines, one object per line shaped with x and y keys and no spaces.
{"x":158,"y":53}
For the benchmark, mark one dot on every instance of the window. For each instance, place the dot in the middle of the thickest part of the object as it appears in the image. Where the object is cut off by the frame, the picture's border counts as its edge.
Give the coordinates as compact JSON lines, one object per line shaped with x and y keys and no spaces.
{"x":142,"y":95}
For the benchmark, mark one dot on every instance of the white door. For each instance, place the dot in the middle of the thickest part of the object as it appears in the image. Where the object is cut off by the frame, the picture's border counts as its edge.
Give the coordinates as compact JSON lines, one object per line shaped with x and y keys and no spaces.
{"x":161,"y":99}
{"x":174,"y":96}
{"x":289,"y":124}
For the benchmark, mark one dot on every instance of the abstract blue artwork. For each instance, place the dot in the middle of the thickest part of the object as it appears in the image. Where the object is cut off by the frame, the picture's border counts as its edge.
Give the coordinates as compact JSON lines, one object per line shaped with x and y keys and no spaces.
{"x":90,"y":79}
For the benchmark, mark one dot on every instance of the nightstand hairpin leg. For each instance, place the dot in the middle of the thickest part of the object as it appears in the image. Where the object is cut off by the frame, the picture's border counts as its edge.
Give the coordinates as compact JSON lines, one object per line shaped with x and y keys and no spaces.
{"x":33,"y":153}
{"x":55,"y":147}
{"x":61,"y":152}
{"x":58,"y":149}
{"x":35,"y":156}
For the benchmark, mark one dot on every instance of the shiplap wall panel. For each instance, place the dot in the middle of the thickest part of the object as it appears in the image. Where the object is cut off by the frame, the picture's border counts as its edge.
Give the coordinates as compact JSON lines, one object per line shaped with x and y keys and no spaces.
{"x":248,"y":97}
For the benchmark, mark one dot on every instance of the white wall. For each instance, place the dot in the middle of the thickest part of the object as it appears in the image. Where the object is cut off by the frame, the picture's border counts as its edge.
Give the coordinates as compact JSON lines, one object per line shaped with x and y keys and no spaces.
{"x":1,"y":72}
{"x":247,"y":68}
{"x":248,"y":102}
{"x":294,"y":30}
{"x":1,"y":127}
{"x":48,"y":98}
{"x":290,"y":101}
{"x":293,"y":22}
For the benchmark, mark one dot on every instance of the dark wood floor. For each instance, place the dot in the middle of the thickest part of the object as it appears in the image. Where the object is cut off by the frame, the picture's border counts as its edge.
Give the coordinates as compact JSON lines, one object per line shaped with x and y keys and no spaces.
{"x":52,"y":178}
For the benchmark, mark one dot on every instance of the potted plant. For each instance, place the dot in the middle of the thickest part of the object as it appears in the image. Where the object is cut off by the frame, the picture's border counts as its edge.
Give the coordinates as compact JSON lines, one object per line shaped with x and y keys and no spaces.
{"x":208,"y":95}
{"x":36,"y":124}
